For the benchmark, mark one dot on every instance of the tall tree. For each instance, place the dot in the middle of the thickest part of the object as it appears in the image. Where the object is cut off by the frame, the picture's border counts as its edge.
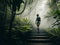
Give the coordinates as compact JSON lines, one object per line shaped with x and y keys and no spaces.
{"x":15,"y":4}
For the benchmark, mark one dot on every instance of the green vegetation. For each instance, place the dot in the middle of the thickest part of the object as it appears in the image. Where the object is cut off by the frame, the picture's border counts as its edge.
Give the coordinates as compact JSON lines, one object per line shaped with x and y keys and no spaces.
{"x":13,"y":28}
{"x":54,"y":32}
{"x":22,"y":24}
{"x":19,"y":33}
{"x":55,"y":13}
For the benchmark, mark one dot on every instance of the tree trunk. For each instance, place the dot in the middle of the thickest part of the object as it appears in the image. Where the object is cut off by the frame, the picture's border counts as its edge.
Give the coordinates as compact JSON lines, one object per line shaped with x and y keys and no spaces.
{"x":12,"y":18}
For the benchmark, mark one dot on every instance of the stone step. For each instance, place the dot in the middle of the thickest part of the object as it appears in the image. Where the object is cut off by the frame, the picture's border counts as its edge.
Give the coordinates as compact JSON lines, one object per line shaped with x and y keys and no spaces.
{"x":38,"y":37}
{"x":38,"y":40}
{"x":42,"y":36}
{"x":39,"y":34}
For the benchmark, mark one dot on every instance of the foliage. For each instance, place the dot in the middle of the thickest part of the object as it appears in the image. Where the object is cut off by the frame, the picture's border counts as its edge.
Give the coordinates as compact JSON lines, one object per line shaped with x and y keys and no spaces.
{"x":54,"y":31}
{"x":18,"y":33}
{"x":22,"y":24}
{"x":20,"y":27}
{"x":16,"y":3}
{"x":54,"y":12}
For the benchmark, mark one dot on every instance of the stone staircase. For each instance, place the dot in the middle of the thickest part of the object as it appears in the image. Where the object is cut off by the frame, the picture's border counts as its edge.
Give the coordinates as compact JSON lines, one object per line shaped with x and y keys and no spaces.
{"x":39,"y":37}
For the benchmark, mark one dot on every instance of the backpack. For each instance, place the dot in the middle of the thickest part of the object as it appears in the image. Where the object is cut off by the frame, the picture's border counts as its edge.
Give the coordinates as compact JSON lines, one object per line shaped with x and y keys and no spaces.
{"x":38,"y":18}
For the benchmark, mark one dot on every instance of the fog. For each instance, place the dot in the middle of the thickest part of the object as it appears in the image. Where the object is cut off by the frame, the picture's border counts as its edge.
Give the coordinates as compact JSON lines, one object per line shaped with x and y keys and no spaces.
{"x":38,"y":7}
